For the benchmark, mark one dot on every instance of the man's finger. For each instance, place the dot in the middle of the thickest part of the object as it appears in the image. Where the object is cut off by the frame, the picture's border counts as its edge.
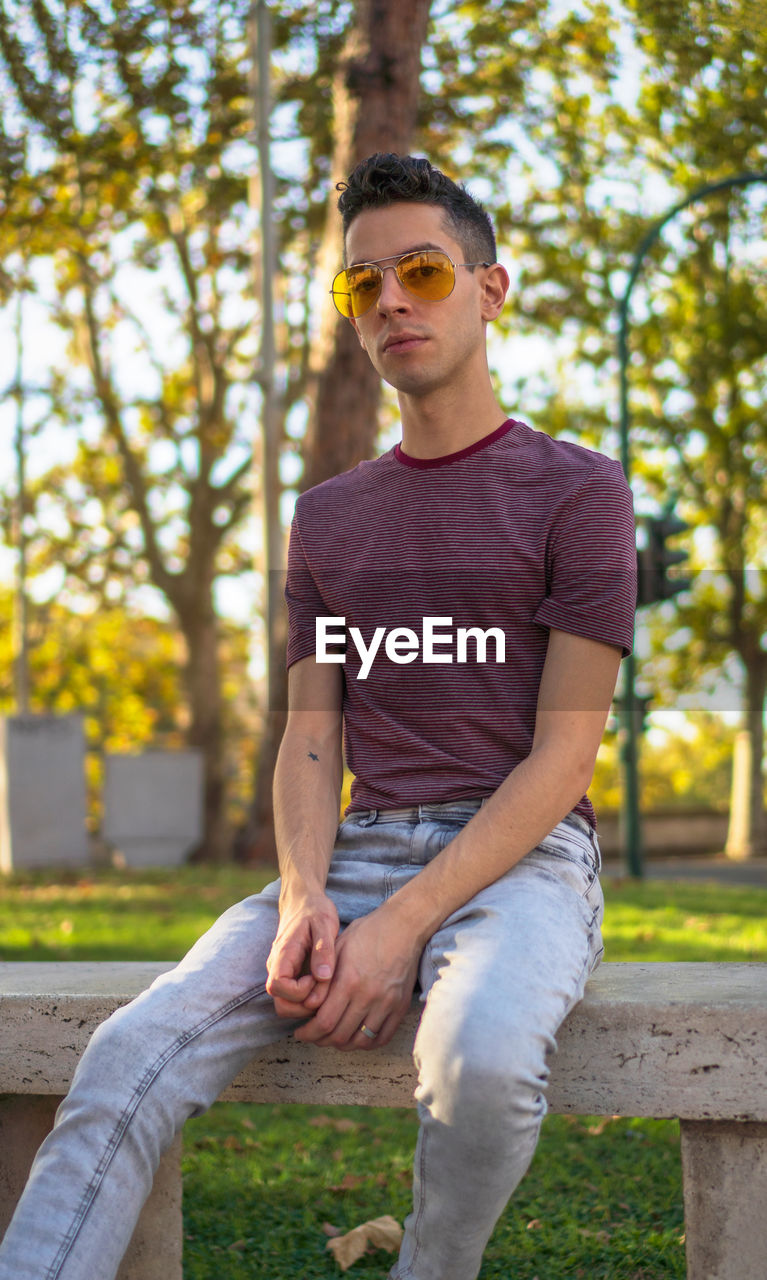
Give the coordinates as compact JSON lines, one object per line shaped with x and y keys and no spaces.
{"x":323,"y":959}
{"x":293,"y":989}
{"x":316,"y":997}
{"x":288,"y":1009}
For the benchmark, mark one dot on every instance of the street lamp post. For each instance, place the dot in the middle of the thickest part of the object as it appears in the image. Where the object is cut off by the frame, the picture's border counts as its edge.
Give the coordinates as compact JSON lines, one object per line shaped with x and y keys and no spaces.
{"x":629,"y":728}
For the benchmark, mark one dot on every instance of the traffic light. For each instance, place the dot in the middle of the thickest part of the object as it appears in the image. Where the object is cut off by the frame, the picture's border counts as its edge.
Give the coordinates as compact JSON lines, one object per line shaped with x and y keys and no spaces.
{"x":654,"y":559}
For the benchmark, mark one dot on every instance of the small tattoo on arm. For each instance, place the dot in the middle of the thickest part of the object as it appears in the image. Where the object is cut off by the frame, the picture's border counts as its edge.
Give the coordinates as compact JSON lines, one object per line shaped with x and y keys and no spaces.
{"x":312,"y":756}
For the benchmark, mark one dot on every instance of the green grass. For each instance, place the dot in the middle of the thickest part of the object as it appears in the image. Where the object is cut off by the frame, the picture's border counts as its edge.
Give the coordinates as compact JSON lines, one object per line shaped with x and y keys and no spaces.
{"x":156,"y":915}
{"x":602,"y":1200}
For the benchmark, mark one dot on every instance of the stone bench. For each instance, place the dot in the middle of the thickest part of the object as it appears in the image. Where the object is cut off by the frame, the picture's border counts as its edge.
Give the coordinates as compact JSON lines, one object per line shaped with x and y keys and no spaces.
{"x":681,"y":1040}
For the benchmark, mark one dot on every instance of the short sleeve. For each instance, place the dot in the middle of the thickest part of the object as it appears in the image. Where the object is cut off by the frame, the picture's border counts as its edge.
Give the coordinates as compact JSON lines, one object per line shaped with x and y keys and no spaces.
{"x":305,"y":604}
{"x":591,"y":561}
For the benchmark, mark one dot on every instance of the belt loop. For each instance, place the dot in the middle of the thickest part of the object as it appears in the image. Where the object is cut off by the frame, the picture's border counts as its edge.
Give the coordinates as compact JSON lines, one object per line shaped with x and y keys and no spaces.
{"x":367,"y":819}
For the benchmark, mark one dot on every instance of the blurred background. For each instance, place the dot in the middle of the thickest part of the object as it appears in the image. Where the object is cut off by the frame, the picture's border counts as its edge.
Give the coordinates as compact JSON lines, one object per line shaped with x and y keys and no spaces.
{"x":172,"y":374}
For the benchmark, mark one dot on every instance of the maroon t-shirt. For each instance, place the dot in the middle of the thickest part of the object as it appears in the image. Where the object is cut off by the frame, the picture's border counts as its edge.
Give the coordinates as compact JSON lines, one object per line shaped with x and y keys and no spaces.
{"x":436,"y":581}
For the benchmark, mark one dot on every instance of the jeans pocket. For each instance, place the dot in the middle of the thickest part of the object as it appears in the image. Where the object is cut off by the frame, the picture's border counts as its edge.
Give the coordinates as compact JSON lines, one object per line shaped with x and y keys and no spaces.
{"x":569,"y":854}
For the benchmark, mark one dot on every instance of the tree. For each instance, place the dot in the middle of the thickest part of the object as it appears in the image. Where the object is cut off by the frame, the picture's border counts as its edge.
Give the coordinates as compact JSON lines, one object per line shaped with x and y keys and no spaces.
{"x":134,"y":171}
{"x":584,"y":153}
{"x":375,"y":96}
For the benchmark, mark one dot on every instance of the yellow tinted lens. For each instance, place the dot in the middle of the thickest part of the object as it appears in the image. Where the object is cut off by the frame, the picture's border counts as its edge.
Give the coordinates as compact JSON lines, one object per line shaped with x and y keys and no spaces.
{"x":342,"y":296}
{"x":429,"y":275}
{"x":364,"y":287}
{"x":356,"y":289}
{"x":340,"y":293}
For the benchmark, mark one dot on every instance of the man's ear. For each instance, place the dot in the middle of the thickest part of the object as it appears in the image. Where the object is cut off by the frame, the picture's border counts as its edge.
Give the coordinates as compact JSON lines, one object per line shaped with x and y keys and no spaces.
{"x":494,"y":289}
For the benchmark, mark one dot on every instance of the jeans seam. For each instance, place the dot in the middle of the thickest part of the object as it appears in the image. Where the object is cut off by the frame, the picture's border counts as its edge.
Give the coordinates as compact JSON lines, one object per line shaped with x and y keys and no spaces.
{"x":423,"y":1137}
{"x":118,"y":1133}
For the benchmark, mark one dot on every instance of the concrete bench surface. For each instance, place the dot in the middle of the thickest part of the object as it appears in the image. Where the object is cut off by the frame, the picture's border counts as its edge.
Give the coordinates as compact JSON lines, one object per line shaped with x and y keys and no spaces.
{"x":687,"y":1040}
{"x":684,"y":1039}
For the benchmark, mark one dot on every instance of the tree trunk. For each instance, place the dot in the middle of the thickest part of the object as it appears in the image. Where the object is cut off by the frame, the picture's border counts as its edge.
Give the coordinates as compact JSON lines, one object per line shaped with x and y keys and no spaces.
{"x":203,"y":682}
{"x":376,"y":105}
{"x":747,"y":832}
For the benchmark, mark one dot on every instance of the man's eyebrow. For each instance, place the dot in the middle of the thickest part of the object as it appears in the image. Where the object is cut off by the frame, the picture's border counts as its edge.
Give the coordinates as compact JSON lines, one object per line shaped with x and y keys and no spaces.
{"x":392,"y":257}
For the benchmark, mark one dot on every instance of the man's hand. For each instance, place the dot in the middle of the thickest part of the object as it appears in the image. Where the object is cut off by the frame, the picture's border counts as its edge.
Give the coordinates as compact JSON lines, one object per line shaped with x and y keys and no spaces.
{"x":376,"y":970}
{"x":302,"y":960}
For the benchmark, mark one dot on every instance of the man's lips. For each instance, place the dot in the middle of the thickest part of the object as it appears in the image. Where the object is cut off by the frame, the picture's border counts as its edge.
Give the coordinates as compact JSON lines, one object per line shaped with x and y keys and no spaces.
{"x":399,"y":342}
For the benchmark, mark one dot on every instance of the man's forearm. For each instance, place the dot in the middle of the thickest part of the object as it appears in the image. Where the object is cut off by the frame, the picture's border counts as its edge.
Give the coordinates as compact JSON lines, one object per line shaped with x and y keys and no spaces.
{"x":527,"y":805}
{"x":307,"y":788}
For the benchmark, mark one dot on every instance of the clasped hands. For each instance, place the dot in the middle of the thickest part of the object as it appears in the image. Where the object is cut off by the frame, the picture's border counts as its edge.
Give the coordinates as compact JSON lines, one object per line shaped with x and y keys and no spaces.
{"x":341,"y":982}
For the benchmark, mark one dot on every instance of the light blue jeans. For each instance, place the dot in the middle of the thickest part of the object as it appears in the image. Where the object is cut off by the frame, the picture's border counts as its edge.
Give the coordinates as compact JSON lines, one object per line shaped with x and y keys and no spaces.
{"x":497,"y":979}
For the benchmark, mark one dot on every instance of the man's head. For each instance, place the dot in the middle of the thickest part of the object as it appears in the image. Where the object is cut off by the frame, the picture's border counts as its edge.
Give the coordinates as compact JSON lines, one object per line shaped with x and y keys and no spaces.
{"x":418,"y":297}
{"x":385,"y":179}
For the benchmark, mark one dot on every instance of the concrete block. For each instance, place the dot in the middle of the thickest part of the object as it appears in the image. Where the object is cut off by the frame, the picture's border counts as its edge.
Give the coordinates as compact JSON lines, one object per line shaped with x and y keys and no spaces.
{"x":155,"y":1251}
{"x":42,"y":792}
{"x":678,"y":1039}
{"x":153,"y":806}
{"x":724,"y":1171}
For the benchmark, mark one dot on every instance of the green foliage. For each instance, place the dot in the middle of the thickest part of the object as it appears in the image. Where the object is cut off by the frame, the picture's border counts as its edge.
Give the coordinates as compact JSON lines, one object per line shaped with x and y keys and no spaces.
{"x":117,"y":915}
{"x":684,"y":769}
{"x":667,"y":920}
{"x":135,"y":192}
{"x":158,"y":915}
{"x":602,"y":1199}
{"x":123,"y":671}
{"x":125,"y":156}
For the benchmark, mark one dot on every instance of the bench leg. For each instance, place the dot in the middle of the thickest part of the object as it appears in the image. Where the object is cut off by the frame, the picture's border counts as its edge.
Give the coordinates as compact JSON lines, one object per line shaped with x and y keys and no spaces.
{"x":155,"y":1251}
{"x":724,"y":1170}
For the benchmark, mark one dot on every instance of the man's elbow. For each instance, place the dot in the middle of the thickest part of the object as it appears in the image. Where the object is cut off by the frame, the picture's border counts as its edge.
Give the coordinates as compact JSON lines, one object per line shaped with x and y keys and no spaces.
{"x":573,"y":769}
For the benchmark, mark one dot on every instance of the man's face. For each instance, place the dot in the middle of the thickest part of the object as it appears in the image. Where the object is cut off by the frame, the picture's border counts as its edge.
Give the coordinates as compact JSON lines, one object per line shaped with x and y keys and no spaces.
{"x":417,"y":345}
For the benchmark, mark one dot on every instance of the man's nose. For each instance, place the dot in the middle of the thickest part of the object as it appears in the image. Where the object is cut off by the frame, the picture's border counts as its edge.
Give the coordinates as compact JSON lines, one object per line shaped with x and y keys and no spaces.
{"x":393,"y":296}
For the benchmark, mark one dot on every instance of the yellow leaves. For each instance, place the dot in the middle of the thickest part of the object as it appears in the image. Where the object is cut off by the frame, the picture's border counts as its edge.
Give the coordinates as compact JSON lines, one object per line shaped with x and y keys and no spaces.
{"x":192,"y":203}
{"x":129,"y":141}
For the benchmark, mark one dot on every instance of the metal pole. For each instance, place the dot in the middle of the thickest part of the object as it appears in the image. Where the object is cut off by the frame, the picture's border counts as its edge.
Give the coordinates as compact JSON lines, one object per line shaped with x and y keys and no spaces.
{"x":629,"y":736}
{"x":272,"y":529}
{"x":21,"y":614}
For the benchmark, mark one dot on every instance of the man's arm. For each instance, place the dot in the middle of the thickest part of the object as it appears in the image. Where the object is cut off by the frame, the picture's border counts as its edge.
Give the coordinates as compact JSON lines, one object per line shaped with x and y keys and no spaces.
{"x":307,"y":787}
{"x":378,"y":955}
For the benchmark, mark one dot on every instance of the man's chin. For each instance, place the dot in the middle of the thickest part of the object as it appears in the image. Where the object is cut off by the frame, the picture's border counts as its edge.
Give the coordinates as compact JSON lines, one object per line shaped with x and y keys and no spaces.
{"x":410,"y":383}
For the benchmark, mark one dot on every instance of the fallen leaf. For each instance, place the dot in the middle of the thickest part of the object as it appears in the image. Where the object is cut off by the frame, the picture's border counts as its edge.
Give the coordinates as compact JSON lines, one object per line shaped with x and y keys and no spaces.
{"x":341,"y":1124}
{"x":330,"y":1230}
{"x":349,"y":1182}
{"x":380,"y":1233}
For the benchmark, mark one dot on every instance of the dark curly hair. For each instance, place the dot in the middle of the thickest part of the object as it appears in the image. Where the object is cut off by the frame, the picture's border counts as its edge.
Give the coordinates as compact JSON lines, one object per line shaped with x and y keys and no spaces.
{"x":386,"y":178}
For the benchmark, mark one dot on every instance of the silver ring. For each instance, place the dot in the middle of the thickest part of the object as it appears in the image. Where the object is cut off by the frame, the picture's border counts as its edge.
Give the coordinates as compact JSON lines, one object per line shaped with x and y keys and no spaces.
{"x":371,"y":1035}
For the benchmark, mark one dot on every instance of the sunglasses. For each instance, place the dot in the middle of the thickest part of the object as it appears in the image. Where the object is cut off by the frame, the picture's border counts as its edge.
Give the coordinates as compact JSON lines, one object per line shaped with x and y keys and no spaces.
{"x":427,"y":274}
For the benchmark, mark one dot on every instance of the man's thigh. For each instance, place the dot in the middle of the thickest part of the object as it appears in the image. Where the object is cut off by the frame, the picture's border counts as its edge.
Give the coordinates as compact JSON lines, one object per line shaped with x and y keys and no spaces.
{"x":507,"y":967}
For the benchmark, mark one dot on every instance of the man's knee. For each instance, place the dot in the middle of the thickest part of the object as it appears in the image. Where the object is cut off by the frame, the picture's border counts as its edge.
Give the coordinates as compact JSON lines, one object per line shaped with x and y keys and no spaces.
{"x":472,"y":1073}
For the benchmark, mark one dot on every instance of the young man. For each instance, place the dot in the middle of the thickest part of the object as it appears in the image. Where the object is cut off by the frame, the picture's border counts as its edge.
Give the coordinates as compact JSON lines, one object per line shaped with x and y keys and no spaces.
{"x":459,"y":607}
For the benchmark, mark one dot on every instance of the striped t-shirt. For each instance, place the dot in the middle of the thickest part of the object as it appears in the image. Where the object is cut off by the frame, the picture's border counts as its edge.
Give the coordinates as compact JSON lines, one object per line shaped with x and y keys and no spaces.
{"x":436,"y":580}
